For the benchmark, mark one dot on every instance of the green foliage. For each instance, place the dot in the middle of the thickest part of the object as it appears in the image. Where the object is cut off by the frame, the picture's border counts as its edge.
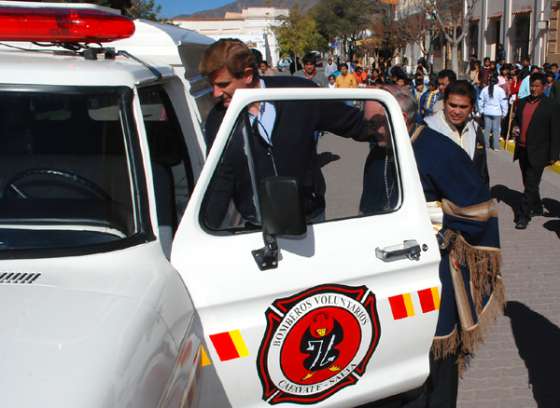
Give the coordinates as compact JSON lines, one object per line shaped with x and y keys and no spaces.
{"x":298,"y":34}
{"x":146,"y":9}
{"x":343,"y":18}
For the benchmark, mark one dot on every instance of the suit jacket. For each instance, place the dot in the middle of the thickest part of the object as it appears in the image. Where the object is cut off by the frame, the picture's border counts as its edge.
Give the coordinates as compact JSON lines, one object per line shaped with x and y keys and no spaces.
{"x":543,"y":133}
{"x":292,"y":153}
{"x":555,"y":92}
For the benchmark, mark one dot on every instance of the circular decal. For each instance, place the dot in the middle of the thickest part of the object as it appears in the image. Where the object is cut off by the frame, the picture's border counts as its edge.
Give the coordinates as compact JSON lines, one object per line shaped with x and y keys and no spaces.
{"x":317,"y":342}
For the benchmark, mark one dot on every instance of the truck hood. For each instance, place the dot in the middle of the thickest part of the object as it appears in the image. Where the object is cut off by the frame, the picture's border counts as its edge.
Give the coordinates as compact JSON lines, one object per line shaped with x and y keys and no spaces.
{"x":75,"y":337}
{"x":65,"y":348}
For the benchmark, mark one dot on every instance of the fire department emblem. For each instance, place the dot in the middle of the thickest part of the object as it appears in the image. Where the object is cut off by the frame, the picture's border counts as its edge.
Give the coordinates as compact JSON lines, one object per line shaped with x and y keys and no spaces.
{"x":317,"y":342}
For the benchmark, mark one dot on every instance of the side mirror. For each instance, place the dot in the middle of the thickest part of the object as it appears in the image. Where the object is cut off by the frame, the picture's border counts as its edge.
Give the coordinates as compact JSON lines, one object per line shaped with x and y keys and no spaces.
{"x":281,"y":207}
{"x":282,"y":214}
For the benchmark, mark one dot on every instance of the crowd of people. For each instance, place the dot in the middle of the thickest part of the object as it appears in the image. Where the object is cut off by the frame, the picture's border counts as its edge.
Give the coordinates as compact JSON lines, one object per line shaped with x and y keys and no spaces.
{"x":513,"y":101}
{"x":445,"y":117}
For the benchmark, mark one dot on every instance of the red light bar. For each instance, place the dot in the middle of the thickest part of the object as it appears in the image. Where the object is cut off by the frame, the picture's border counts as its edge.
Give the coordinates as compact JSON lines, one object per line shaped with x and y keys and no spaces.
{"x":62,"y":25}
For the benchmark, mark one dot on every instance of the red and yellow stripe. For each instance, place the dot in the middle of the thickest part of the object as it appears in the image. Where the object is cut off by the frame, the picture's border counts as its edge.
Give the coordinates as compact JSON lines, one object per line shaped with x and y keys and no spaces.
{"x":229,"y":345}
{"x":429,"y":299}
{"x":401,"y":306}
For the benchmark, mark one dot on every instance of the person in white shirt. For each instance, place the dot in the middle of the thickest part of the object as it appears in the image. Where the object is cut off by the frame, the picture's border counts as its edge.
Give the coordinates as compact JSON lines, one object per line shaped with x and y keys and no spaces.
{"x":330,"y":67}
{"x":493,"y":104}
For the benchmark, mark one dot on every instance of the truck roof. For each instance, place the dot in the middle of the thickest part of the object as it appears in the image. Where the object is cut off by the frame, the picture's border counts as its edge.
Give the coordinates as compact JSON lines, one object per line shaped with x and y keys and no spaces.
{"x":159,"y":42}
{"x":162,"y":46}
{"x":49,"y":68}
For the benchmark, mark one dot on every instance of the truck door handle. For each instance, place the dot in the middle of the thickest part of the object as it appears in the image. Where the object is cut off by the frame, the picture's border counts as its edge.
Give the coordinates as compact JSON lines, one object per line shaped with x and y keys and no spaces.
{"x":408,"y":249}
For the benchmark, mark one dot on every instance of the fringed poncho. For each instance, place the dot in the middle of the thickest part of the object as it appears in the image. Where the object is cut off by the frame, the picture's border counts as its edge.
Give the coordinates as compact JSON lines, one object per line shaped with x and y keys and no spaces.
{"x":472,"y":288}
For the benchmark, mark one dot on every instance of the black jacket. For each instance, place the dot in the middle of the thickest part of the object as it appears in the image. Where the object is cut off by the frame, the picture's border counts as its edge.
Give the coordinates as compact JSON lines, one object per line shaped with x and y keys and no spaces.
{"x":292,"y":151}
{"x":543,"y":134}
{"x":555,"y":92}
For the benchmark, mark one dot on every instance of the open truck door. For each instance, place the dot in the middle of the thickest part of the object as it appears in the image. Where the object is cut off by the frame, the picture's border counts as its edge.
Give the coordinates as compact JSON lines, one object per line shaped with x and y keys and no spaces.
{"x":336,"y":308}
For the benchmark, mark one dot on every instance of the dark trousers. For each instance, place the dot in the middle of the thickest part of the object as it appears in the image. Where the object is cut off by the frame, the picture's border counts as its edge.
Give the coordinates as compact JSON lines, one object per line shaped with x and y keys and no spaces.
{"x":440,"y":391}
{"x":531,"y":200}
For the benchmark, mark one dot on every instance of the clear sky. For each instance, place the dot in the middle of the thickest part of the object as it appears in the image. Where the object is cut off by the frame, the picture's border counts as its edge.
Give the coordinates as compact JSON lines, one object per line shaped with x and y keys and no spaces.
{"x":172,"y":8}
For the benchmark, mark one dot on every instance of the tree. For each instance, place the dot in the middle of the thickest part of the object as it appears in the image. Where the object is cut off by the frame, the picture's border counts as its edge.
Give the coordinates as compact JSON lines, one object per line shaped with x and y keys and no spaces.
{"x":146,"y":9}
{"x":416,"y":29}
{"x":388,"y":30}
{"x":343,"y":19}
{"x":297,"y":34}
{"x":452,"y":18}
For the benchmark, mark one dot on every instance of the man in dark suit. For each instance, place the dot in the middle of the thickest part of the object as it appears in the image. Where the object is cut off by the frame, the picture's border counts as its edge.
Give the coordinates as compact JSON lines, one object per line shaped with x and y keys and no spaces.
{"x":537,"y":121}
{"x":283,"y":133}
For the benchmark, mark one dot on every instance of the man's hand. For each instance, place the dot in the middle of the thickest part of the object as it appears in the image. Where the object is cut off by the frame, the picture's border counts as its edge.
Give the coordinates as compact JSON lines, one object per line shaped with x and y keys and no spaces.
{"x":515,"y":132}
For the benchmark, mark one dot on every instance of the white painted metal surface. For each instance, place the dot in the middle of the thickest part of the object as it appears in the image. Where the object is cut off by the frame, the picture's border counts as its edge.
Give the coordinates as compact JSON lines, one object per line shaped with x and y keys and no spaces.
{"x":100,"y":330}
{"x":110,"y":329}
{"x":233,"y":293}
{"x":42,"y":68}
{"x":158,"y":42}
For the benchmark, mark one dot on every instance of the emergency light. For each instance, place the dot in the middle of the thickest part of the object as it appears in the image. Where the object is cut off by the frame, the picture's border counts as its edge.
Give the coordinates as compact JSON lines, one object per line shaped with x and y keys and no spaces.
{"x":68,"y":25}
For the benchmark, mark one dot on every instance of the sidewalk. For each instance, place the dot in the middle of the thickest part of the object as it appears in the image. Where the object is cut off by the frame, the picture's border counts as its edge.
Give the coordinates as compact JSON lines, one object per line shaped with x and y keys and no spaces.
{"x":519,"y":364}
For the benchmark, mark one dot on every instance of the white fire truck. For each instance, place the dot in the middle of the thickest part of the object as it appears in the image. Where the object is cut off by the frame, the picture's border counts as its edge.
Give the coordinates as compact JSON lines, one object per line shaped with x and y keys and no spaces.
{"x":115,"y":292}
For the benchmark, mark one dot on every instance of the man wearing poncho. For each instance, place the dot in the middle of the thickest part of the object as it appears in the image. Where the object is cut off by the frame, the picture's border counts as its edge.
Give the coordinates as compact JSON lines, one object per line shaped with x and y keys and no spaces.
{"x":472,"y":289}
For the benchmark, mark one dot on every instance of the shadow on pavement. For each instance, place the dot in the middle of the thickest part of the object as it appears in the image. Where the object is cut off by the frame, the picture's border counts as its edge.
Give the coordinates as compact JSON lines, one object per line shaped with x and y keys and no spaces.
{"x":553,"y":226}
{"x":538,"y":342}
{"x":325,"y":158}
{"x":553,"y":211}
{"x":507,"y":195}
{"x":552,"y":207}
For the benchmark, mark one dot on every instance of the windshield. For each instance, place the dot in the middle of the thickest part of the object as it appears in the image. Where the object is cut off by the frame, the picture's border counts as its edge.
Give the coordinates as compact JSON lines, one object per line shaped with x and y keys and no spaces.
{"x":65,"y":173}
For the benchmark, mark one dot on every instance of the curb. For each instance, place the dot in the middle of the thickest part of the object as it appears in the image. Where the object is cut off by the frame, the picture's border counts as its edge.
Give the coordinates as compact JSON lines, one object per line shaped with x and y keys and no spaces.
{"x":511,"y":147}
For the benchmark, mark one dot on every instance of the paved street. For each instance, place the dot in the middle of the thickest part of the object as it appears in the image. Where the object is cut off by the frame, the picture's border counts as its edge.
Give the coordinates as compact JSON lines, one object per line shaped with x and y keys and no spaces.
{"x":518,"y":365}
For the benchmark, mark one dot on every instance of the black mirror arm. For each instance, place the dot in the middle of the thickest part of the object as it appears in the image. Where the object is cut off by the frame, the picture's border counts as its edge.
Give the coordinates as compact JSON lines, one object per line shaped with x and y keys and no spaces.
{"x":267,"y":257}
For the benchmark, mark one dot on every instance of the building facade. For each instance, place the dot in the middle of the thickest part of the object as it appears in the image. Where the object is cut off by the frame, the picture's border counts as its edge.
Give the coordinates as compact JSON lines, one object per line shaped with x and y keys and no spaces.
{"x":253,"y":26}
{"x":553,"y":54}
{"x":523,"y":28}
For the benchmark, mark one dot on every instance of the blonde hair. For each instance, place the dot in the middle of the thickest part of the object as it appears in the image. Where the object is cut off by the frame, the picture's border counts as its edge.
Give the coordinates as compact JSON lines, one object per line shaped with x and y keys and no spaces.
{"x":230,"y":53}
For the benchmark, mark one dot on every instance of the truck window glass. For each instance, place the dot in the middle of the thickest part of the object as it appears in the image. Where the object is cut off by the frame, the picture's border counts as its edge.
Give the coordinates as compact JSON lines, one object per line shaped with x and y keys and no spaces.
{"x":200,"y":89}
{"x":173,"y":178}
{"x":65,"y":174}
{"x":339,"y":177}
{"x":202,"y":94}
